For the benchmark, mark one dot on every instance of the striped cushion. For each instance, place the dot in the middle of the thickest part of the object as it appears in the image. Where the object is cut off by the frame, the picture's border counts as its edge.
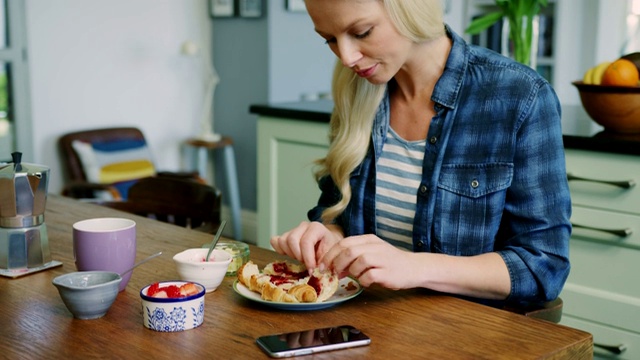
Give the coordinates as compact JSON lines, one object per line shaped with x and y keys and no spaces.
{"x":115,"y":161}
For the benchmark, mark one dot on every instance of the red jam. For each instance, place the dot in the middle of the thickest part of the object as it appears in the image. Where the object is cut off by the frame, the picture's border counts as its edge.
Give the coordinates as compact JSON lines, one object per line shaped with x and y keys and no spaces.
{"x":282,"y":268}
{"x":314,"y":282}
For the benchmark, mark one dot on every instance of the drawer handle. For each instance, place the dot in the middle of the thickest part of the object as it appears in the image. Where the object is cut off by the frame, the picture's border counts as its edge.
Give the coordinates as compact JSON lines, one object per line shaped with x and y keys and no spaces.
{"x":618,"y":232}
{"x":626,"y":184}
{"x":616,"y":349}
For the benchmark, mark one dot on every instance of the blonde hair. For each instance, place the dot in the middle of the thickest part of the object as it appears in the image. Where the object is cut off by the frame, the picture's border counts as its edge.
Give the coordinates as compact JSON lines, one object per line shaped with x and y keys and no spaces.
{"x":356,"y":100}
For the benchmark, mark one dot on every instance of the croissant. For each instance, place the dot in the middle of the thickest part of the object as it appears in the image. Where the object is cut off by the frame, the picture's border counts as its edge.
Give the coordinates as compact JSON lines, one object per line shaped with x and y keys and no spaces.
{"x":246,"y":271}
{"x":257,"y":282}
{"x":291,"y":270}
{"x":303,"y":293}
{"x":286,"y":282}
{"x":271,"y":292}
{"x":328,"y":284}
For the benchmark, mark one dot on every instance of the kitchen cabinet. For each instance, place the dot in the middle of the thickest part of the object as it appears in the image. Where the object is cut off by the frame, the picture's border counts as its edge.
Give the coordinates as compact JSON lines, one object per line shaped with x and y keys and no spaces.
{"x":602,"y":295}
{"x":287,"y":188}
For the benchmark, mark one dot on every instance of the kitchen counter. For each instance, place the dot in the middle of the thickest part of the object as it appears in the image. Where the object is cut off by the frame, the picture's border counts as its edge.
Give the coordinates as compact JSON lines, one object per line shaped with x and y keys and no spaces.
{"x":579,"y":131}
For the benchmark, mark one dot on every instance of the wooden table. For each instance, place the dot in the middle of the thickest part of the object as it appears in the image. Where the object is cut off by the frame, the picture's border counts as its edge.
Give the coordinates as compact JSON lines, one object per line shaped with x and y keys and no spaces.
{"x":35,"y":324}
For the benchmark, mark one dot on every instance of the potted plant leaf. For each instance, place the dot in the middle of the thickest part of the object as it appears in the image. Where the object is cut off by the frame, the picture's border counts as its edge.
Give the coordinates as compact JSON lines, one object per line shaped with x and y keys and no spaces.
{"x":520,"y":15}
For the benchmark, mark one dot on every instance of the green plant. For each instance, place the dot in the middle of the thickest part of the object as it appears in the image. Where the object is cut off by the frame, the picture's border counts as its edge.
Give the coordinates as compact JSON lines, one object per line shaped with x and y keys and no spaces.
{"x":4,"y":95}
{"x":520,"y":15}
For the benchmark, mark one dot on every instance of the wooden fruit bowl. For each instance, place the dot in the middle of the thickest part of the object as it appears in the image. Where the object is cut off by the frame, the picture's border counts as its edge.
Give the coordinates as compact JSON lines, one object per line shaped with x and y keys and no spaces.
{"x":616,"y":108}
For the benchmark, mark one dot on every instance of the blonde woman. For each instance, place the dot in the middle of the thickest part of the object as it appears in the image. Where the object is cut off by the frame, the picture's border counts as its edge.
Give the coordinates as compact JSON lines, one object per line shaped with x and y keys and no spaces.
{"x":446,"y":167}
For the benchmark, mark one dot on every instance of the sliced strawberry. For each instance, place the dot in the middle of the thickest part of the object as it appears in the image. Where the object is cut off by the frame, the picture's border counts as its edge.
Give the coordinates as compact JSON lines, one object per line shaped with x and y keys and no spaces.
{"x":188,"y":289}
{"x":161,"y":294}
{"x":153,"y":289}
{"x":172,"y":291}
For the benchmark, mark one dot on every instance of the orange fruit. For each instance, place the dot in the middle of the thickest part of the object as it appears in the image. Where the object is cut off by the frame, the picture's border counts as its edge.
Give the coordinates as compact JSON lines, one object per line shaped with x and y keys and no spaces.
{"x":621,"y":72}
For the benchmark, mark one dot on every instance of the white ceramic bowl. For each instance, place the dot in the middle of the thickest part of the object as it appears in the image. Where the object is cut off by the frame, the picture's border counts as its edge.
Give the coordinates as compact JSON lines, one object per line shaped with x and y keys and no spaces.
{"x":172,"y":315}
{"x":192,"y":267}
{"x":88,"y":294}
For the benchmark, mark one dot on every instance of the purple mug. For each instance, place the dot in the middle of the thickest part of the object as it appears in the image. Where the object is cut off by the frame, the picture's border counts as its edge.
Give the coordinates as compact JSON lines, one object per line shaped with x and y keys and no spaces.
{"x":107,"y":244}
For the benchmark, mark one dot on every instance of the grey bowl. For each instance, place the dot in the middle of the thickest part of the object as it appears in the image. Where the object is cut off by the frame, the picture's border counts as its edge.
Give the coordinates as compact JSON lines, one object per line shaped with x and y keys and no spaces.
{"x":88,"y":294}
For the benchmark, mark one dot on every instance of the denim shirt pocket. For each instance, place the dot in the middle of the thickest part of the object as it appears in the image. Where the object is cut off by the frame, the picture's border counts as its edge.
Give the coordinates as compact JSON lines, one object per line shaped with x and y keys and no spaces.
{"x":469,"y":205}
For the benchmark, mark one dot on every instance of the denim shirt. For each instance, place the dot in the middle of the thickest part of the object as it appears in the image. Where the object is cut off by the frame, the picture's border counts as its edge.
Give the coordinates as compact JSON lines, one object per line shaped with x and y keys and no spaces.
{"x":494,"y":177}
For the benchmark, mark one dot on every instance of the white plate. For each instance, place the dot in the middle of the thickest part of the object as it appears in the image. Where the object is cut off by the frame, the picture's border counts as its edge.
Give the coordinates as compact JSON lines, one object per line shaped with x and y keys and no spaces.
{"x":341,"y":295}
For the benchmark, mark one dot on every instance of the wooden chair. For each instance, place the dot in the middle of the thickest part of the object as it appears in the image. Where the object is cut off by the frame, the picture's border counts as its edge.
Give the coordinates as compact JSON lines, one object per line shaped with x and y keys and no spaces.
{"x":549,"y":311}
{"x":186,"y":203}
{"x":77,"y":152}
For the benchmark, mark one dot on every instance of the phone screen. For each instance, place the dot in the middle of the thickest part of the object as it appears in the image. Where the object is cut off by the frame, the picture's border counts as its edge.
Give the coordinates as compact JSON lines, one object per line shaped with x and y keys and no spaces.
{"x":312,"y":341}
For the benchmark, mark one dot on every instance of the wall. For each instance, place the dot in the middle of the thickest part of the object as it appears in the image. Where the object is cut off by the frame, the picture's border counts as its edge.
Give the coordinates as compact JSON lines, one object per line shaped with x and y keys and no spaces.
{"x":300,"y":63}
{"x":117,"y":62}
{"x":600,"y":29}
{"x":272,"y":59}
{"x":240,"y":56}
{"x":105,"y":63}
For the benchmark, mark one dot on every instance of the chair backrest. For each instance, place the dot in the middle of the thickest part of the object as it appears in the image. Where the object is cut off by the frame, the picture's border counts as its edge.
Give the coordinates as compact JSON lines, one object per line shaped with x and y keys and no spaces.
{"x":182,"y":202}
{"x":103,"y":162}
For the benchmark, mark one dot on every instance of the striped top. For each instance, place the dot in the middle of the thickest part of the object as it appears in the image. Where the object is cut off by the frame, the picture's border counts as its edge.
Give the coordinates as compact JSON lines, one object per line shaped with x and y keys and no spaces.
{"x":399,"y":173}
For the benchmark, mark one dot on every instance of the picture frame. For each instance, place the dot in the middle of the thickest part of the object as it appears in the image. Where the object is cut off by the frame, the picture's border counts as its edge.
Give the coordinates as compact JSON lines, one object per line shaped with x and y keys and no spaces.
{"x":222,"y":8}
{"x":250,"y":8}
{"x":296,"y":6}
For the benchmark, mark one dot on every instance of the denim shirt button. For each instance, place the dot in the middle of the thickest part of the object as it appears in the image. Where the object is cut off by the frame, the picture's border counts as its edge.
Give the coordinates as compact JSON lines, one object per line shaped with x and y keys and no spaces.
{"x":420,"y":245}
{"x":433,"y":139}
{"x":423,"y":189}
{"x":475,"y":183}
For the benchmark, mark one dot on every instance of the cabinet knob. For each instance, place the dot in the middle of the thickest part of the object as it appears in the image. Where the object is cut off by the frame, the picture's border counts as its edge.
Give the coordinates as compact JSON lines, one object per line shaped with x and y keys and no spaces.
{"x":625,"y":184}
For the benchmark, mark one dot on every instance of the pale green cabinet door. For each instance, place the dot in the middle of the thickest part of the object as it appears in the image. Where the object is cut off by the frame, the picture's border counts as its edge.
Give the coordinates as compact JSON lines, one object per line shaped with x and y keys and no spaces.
{"x":287,"y":189}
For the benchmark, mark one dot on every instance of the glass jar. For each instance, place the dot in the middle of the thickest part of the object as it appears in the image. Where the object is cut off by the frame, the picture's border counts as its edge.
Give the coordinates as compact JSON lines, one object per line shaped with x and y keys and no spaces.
{"x":239,"y":253}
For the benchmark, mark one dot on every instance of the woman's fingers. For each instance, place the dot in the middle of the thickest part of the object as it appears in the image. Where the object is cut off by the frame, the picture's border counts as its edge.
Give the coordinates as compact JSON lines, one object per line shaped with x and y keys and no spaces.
{"x":340,"y":256}
{"x":369,"y":259}
{"x":280,"y":244}
{"x":315,"y":238}
{"x":305,"y":242}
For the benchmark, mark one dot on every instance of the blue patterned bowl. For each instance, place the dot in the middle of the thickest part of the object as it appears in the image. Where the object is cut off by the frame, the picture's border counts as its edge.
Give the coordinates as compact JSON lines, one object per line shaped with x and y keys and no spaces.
{"x":172,"y":315}
{"x":88,"y":294}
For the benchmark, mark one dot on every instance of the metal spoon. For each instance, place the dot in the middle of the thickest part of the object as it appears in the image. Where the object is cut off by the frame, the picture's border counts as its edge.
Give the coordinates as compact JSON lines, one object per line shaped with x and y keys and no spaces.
{"x":215,"y":239}
{"x":141,"y":262}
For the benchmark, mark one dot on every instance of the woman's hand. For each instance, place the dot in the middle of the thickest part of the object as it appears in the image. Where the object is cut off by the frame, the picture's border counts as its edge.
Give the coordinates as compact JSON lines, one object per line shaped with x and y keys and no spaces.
{"x":372,"y":260}
{"x":307,"y":242}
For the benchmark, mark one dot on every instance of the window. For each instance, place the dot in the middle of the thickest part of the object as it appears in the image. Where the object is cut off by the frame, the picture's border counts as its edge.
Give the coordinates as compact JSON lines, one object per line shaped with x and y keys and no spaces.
{"x":14,"y":119}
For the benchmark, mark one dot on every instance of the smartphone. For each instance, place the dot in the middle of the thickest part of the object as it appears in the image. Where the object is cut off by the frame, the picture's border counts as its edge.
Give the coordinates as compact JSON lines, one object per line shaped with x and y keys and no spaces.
{"x":312,"y":341}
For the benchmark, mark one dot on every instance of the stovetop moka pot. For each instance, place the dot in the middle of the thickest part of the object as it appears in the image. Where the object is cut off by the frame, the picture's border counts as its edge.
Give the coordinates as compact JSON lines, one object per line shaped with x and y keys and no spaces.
{"x":23,"y":196}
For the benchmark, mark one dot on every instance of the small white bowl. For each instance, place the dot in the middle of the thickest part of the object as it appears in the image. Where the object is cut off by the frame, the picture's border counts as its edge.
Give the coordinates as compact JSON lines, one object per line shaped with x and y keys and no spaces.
{"x":172,"y":315}
{"x":192,"y":266}
{"x":239,"y":254}
{"x":88,"y":294}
